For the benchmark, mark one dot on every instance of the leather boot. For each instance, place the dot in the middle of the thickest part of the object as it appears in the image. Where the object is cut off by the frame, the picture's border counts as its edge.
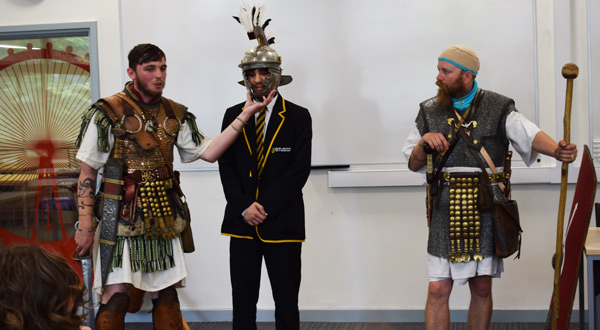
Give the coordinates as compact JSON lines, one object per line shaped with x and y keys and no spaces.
{"x":112,"y":315}
{"x":136,"y":299}
{"x":166,"y":313}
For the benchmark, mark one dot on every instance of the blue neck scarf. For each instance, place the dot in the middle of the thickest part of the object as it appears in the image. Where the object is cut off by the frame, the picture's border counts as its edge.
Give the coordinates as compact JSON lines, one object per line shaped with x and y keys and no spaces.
{"x":464,"y":102}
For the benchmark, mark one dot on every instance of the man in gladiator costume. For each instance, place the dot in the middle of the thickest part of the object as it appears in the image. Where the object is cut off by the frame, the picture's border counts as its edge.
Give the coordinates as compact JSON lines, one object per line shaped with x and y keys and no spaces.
{"x":131,"y":135}
{"x":456,"y":131}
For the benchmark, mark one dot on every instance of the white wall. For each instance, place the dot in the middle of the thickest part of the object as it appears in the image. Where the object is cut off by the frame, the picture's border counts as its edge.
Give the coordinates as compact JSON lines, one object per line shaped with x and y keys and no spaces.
{"x":365,"y":248}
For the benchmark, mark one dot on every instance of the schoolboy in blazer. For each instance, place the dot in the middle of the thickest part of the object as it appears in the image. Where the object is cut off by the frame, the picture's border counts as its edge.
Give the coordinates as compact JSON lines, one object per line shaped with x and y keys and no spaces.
{"x":264,"y":216}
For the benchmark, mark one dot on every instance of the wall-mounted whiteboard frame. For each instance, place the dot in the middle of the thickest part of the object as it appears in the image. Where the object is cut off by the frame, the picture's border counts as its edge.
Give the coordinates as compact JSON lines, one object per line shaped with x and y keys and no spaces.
{"x":361,"y":69}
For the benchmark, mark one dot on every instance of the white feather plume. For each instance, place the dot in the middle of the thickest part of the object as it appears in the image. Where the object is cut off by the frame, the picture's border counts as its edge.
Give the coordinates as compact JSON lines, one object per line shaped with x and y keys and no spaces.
{"x":248,"y":20}
{"x":271,"y":34}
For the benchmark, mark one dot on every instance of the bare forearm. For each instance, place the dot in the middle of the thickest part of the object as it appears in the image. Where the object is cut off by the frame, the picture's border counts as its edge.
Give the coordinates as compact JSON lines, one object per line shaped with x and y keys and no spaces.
{"x":418,"y":158}
{"x":561,"y":151}
{"x":86,"y":190}
{"x":218,"y":146}
{"x":544,"y":144}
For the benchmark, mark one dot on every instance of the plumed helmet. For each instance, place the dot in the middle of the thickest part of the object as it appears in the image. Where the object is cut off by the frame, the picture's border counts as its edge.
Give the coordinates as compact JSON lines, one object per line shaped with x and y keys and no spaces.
{"x":262,"y":56}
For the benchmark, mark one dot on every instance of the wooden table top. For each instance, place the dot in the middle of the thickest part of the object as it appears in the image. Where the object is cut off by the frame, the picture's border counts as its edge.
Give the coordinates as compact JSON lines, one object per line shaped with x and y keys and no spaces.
{"x":592,"y":242}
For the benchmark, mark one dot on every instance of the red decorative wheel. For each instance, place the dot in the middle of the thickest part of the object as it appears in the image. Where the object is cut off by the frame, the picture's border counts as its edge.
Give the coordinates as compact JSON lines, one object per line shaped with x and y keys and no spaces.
{"x":43,"y":94}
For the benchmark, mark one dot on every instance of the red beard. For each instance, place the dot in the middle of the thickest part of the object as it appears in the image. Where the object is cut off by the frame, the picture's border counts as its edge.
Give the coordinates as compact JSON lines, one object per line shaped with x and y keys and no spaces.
{"x":443,"y":96}
{"x":447,"y":92}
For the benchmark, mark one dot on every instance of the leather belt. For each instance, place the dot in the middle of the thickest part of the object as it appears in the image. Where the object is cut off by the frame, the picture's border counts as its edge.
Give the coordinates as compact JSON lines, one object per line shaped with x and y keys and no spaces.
{"x":161,"y":173}
{"x":496,"y":177}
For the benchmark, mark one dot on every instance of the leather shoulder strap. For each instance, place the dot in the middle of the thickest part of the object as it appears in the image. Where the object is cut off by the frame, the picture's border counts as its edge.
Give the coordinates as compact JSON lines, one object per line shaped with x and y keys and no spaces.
{"x":143,"y":138}
{"x":173,"y":109}
{"x":482,"y":150}
{"x":113,"y":107}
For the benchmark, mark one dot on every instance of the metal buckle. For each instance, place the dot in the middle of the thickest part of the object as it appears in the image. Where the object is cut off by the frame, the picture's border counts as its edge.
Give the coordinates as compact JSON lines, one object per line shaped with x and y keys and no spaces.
{"x":446,"y":176}
{"x":147,"y":175}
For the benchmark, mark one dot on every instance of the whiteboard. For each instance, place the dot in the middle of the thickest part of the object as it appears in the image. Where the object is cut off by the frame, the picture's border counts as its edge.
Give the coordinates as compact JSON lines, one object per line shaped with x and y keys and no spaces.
{"x":360,"y":67}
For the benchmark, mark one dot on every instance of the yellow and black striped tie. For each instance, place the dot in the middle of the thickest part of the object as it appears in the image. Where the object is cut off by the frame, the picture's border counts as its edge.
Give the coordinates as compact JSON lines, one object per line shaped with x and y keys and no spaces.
{"x":260,"y":148}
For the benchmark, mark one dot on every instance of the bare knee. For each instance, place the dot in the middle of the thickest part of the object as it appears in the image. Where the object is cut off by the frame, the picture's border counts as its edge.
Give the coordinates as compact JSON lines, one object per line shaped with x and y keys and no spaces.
{"x":110,"y":290}
{"x":440,"y":290}
{"x":481,"y":286}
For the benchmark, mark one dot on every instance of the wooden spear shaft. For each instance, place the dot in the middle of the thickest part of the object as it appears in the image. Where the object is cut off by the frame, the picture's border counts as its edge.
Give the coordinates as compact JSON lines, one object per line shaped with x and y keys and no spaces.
{"x":569,"y":72}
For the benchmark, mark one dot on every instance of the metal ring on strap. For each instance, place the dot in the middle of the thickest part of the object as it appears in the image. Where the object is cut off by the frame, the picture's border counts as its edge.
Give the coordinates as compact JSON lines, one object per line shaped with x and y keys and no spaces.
{"x":165,"y":125}
{"x":136,"y":117}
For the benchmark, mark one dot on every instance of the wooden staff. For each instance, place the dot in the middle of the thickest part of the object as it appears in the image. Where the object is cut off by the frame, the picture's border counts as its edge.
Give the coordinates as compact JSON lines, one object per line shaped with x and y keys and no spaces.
{"x":569,"y":72}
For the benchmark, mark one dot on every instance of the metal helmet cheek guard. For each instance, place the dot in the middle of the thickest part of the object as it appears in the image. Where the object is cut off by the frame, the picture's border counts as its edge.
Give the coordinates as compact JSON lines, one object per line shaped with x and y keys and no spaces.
{"x":261,"y":56}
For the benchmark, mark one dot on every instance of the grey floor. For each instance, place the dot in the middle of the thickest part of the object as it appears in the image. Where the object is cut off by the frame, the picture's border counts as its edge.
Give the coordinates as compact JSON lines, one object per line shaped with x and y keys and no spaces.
{"x":355,"y":326}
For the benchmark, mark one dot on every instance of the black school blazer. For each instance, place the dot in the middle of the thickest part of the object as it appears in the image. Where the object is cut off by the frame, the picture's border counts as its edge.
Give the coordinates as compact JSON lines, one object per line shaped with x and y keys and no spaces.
{"x":279,"y":188}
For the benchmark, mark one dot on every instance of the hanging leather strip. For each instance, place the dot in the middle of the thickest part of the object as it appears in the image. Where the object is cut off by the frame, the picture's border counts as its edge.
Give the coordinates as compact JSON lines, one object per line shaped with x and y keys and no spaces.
{"x":113,"y":173}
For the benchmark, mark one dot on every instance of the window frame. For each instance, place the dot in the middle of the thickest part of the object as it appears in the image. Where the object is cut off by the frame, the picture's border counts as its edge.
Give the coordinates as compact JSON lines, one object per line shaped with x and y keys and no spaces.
{"x":84,"y":29}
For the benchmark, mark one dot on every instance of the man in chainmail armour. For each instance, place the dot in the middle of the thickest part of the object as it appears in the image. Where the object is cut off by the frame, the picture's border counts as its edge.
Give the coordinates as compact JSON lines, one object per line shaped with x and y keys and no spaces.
{"x":457,"y":133}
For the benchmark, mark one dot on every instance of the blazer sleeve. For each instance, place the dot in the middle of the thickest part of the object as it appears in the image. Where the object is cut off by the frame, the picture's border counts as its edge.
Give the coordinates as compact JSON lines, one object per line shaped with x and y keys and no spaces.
{"x":232,"y":183}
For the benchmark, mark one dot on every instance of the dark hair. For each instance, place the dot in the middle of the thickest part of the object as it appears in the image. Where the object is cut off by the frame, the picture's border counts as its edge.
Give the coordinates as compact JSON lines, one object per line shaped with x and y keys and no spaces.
{"x":38,"y":290}
{"x":144,"y":53}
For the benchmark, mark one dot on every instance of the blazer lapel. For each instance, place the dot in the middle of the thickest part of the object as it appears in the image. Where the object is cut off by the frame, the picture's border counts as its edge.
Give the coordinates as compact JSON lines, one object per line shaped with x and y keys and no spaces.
{"x":278,"y":117}
{"x":274,"y":122}
{"x":249,"y":132}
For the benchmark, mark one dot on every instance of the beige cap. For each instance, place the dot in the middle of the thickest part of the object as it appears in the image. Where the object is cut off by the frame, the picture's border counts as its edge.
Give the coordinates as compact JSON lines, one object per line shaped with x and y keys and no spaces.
{"x":462,"y":56}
